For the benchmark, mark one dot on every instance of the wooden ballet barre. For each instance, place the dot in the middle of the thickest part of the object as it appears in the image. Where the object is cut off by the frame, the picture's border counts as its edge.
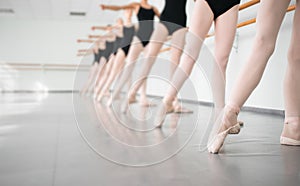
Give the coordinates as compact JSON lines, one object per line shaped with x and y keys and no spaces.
{"x":248,"y":4}
{"x":44,"y":65}
{"x":49,"y":69}
{"x":251,"y":21}
{"x":291,"y":8}
{"x":63,"y":65}
{"x":164,"y":50}
{"x":245,"y":23}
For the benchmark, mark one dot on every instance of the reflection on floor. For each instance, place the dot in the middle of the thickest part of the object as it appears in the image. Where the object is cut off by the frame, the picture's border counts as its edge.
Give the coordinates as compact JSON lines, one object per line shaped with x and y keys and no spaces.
{"x":58,"y":139}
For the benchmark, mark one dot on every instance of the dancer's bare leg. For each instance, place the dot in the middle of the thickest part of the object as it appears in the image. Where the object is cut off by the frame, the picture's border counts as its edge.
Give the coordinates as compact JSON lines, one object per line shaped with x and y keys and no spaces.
{"x":291,"y":128}
{"x":143,"y":98}
{"x":134,"y":52}
{"x":225,"y":24}
{"x":100,"y":74}
{"x":269,"y":19}
{"x":201,"y":21}
{"x":177,"y":45}
{"x":158,"y":38}
{"x":91,"y":78}
{"x":118,"y":64}
{"x":107,"y":70}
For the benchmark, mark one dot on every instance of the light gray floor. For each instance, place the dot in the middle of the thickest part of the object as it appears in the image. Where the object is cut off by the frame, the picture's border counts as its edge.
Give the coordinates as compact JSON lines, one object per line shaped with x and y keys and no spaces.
{"x":43,"y":143}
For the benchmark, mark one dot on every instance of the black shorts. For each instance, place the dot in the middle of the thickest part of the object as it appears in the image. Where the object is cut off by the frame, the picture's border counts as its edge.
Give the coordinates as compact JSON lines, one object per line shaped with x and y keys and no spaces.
{"x":171,"y":27}
{"x":219,"y":7}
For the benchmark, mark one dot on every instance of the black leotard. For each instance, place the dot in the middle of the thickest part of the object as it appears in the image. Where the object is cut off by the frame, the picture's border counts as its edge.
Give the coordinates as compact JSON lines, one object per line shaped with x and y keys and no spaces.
{"x":146,"y":17}
{"x":100,"y":54}
{"x":174,"y":15}
{"x":96,"y":57}
{"x":127,"y":39}
{"x":117,"y":45}
{"x":219,"y":7}
{"x":108,"y":50}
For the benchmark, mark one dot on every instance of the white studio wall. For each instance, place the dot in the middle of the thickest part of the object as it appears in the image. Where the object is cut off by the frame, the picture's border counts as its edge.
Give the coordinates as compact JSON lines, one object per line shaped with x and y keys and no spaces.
{"x":54,"y":42}
{"x":41,"y":42}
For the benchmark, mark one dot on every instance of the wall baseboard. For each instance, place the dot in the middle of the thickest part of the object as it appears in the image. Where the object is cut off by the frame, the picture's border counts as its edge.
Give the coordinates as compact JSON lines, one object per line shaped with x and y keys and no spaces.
{"x":245,"y":108}
{"x":203,"y":103}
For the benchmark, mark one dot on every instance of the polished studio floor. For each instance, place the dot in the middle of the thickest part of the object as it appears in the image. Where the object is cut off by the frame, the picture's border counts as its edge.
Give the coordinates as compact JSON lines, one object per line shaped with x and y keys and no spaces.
{"x":64,"y":139}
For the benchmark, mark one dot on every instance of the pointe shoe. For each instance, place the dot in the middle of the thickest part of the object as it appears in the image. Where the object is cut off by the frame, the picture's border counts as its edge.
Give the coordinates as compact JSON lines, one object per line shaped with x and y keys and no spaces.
{"x":289,"y":141}
{"x":109,"y":102}
{"x":99,"y":98}
{"x":124,"y":108}
{"x":218,"y":140}
{"x":161,"y":114}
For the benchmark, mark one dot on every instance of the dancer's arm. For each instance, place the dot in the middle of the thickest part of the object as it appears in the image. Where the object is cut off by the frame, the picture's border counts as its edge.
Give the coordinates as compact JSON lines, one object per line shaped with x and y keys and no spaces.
{"x":117,"y":8}
{"x":85,"y":41}
{"x":101,"y":27}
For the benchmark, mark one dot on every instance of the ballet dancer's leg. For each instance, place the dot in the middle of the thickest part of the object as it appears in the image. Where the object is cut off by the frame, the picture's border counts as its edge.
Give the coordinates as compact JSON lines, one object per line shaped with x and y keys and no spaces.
{"x":269,"y":19}
{"x":134,"y":52}
{"x":100,"y":74}
{"x":118,"y":64}
{"x":291,"y":128}
{"x":201,"y":21}
{"x":158,"y":38}
{"x":91,"y":78}
{"x":105,"y":75}
{"x":225,"y":29}
{"x":177,"y":45}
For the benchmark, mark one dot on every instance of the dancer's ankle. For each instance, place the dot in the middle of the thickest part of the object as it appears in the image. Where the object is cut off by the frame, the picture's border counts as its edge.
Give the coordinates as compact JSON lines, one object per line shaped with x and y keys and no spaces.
{"x":229,"y":119}
{"x":168,"y":102}
{"x":233,"y":108}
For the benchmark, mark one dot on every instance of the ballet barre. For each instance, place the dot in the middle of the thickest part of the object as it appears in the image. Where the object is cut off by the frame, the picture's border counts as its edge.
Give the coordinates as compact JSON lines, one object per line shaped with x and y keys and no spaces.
{"x":251,"y":21}
{"x":42,"y":67}
{"x":248,"y":4}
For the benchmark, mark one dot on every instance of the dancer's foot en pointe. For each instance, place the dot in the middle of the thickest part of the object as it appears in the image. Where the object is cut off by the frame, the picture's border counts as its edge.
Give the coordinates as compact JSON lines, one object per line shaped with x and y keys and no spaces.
{"x":163,"y":109}
{"x":179,"y":109}
{"x":291,"y":132}
{"x":229,"y":124}
{"x":144,"y":102}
